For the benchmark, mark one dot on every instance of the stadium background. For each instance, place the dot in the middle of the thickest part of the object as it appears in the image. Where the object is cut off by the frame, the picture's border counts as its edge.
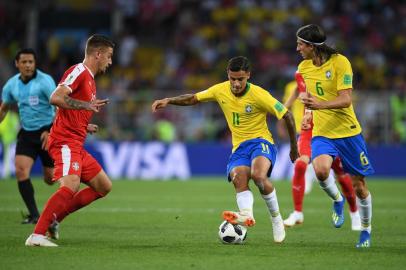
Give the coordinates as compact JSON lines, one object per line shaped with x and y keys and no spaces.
{"x":169,"y":47}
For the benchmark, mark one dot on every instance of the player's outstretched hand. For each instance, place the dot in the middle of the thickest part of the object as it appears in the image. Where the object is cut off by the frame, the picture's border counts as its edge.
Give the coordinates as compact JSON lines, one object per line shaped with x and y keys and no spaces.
{"x":92,"y":128}
{"x":159,"y":104}
{"x":96,"y":104}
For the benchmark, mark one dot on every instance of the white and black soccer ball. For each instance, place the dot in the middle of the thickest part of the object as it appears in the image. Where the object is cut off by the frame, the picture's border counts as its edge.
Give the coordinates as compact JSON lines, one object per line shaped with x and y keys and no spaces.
{"x":232,"y":234}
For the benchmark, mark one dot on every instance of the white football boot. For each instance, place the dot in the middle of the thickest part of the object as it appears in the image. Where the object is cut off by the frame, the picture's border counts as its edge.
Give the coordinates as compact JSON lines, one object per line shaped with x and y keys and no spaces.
{"x":294,"y":218}
{"x":278,"y":229}
{"x":38,"y":240}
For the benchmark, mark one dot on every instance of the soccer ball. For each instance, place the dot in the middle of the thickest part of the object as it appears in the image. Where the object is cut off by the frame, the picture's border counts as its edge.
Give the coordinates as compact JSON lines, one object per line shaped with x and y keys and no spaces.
{"x":232,"y":234}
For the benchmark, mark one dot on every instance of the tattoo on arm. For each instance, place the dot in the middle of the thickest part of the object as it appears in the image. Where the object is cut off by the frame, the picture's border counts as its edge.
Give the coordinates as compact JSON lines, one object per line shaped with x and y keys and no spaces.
{"x":184,"y":100}
{"x":75,"y":104}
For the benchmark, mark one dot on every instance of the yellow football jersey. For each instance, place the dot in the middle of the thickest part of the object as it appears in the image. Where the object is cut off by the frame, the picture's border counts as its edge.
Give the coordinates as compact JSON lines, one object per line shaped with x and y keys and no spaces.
{"x":297,"y":108}
{"x":324,"y":82}
{"x":245,"y":115}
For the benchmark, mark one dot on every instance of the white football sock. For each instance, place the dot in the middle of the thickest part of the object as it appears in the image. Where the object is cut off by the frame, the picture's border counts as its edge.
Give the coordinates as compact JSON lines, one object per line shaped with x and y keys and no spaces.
{"x":365,"y":212}
{"x":310,"y":175}
{"x":272,"y":203}
{"x":329,"y":186}
{"x":245,"y":202}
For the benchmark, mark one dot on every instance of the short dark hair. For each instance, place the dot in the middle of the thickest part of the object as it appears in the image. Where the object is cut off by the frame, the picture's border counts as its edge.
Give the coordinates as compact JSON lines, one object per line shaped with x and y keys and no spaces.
{"x":239,"y":63}
{"x":98,"y":41}
{"x":25,"y":51}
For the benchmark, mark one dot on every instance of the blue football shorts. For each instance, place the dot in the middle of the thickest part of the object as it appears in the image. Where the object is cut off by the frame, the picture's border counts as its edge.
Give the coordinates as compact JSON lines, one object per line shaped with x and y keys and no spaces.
{"x":352,"y":151}
{"x":248,"y":151}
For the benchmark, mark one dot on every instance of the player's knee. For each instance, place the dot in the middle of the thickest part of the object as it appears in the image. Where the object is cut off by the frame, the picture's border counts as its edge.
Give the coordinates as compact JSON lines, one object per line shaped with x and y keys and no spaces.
{"x":71,"y":181}
{"x":322,"y":174}
{"x":107,"y":187}
{"x":22,"y":173}
{"x":103,"y":187}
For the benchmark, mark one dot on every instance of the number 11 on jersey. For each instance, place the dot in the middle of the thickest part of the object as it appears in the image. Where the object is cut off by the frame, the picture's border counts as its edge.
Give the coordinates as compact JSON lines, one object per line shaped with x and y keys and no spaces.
{"x":236,"y":119}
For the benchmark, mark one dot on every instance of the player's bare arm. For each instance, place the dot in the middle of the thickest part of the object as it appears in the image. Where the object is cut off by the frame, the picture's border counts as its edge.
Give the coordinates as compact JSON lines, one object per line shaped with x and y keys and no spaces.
{"x":343,"y":100}
{"x":292,"y":98}
{"x":61,"y":98}
{"x":3,"y":111}
{"x":182,"y":100}
{"x":290,"y":126}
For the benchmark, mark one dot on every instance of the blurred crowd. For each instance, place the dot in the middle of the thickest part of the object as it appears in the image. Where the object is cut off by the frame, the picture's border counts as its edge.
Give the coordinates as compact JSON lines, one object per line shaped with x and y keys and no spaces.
{"x":169,"y":47}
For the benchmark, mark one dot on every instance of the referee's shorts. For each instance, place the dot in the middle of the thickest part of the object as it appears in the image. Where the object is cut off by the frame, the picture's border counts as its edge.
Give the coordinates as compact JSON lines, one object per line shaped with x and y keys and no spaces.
{"x":29,"y":144}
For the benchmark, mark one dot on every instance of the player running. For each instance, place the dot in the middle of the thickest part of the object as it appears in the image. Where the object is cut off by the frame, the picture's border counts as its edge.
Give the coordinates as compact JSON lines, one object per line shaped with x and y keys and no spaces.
{"x":245,"y":107}
{"x":336,"y":131}
{"x":299,"y":181}
{"x":76,"y":99}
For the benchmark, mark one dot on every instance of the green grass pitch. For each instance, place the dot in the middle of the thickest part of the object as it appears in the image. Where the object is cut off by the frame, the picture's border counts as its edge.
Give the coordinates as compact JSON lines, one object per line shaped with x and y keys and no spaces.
{"x":174,"y":224}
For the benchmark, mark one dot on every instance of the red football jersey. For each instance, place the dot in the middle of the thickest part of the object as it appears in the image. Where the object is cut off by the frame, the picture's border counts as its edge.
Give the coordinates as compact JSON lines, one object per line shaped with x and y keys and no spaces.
{"x":71,"y":125}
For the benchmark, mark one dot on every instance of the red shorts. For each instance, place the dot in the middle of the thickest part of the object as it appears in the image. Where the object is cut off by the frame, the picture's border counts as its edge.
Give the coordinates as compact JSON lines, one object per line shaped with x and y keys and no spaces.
{"x":72,"y":159}
{"x":304,"y":143}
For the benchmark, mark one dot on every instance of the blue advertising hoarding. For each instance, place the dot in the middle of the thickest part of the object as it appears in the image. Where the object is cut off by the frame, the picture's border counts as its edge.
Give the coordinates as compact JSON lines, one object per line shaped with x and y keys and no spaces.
{"x":157,"y":160}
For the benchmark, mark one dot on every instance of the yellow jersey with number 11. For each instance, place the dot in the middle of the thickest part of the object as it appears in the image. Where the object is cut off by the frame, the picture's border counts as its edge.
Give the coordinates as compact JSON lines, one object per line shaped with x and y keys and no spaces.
{"x":245,"y":115}
{"x":324,"y":83}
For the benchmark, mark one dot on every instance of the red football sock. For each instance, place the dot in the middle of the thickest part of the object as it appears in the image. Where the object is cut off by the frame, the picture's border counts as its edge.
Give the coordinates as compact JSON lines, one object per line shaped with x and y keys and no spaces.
{"x":346,"y":184}
{"x":348,"y":191}
{"x":81,"y":199}
{"x":298,"y":184}
{"x":337,"y":166}
{"x":56,"y":204}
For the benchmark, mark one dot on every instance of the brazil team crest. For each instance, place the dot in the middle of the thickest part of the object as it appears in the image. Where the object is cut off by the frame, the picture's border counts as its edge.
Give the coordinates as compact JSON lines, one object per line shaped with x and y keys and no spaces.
{"x":328,"y":74}
{"x":248,"y":108}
